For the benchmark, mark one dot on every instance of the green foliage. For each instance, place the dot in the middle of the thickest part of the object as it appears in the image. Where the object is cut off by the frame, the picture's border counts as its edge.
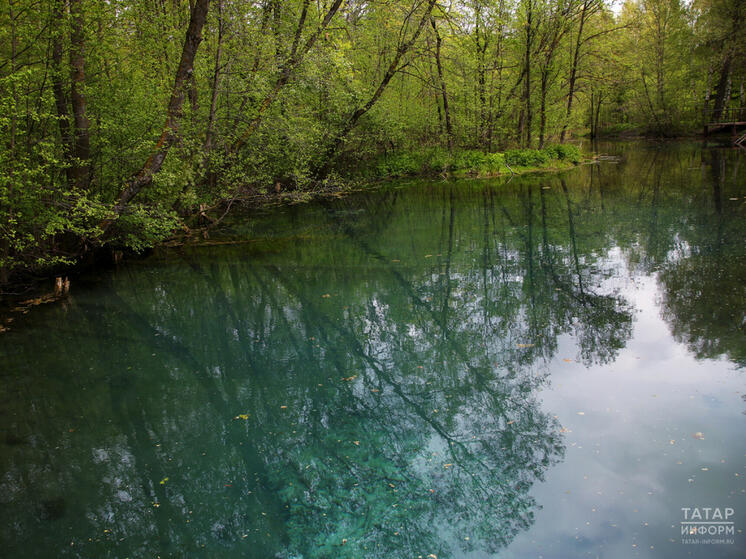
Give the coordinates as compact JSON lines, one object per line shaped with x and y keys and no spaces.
{"x":34,"y":211}
{"x":143,"y":227}
{"x":564,"y":152}
{"x":475,"y":163}
{"x":429,"y":162}
{"x":467,"y":160}
{"x":526,"y":157}
{"x":272,"y":118}
{"x":400,"y":165}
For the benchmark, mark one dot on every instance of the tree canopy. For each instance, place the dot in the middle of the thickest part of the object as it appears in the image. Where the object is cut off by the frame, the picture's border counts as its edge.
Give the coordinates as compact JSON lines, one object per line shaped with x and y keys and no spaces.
{"x":117,"y":117}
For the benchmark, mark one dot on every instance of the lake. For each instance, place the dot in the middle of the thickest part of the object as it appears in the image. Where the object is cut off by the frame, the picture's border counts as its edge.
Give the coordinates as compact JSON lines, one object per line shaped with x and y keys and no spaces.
{"x":549,"y":365}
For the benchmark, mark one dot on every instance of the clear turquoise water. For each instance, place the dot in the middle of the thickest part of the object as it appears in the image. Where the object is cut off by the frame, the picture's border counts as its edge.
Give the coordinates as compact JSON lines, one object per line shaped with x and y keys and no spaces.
{"x":550,"y":366}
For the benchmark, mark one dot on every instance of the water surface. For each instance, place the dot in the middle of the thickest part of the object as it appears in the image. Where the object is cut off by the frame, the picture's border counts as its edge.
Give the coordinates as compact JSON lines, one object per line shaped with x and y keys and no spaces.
{"x":550,"y":365}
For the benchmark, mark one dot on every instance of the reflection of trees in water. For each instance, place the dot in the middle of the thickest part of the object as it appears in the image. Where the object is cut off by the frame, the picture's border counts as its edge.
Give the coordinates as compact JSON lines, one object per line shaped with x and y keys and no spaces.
{"x":688,"y":229}
{"x":704,"y":302}
{"x":426,"y":441}
{"x":437,"y":437}
{"x":434,"y":437}
{"x":704,"y":282}
{"x":672,"y":213}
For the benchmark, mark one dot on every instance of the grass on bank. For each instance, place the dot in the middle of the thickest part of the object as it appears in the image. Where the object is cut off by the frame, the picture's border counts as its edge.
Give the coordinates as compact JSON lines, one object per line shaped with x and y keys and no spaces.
{"x":472,"y":163}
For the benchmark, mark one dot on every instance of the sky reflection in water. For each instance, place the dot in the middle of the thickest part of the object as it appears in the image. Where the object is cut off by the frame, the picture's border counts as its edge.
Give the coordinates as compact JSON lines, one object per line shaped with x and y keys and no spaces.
{"x":467,"y":369}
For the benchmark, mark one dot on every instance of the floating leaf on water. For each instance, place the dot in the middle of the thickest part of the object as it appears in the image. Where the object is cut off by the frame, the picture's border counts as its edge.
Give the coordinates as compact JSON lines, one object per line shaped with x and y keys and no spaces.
{"x":348,"y":379}
{"x":242,"y":416}
{"x":356,"y":443}
{"x":526,"y":345}
{"x":325,"y":296}
{"x":447,"y":465}
{"x":164,"y":480}
{"x":567,"y":360}
{"x":428,"y":256}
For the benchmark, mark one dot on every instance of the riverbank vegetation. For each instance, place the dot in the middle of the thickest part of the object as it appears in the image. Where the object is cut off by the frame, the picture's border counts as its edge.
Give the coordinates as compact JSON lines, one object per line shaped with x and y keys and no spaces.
{"x":440,"y":162}
{"x":118,"y":119}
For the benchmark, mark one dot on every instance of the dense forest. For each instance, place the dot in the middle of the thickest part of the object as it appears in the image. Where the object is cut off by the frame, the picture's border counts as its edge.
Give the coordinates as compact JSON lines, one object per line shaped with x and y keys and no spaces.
{"x":119,"y":118}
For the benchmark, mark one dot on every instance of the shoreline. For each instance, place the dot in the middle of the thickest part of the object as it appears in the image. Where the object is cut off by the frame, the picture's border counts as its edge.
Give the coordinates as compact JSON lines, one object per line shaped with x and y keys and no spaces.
{"x":35,"y":289}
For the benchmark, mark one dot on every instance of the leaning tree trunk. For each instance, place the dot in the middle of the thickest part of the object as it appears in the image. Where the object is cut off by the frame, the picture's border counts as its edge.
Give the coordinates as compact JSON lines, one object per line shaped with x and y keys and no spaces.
{"x":173,"y":114}
{"x":323,"y":169}
{"x":288,"y":68}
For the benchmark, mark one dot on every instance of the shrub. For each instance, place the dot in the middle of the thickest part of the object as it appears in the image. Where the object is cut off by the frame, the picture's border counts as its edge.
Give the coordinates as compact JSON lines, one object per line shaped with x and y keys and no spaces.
{"x":437,"y":161}
{"x":564,"y":152}
{"x":526,"y":157}
{"x":399,"y":165}
{"x":468,"y":160}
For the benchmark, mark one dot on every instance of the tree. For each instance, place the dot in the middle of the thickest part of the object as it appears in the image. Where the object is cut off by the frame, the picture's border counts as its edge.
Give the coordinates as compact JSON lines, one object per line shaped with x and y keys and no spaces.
{"x":173,"y":113}
{"x":401,"y":50}
{"x":283,"y":94}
